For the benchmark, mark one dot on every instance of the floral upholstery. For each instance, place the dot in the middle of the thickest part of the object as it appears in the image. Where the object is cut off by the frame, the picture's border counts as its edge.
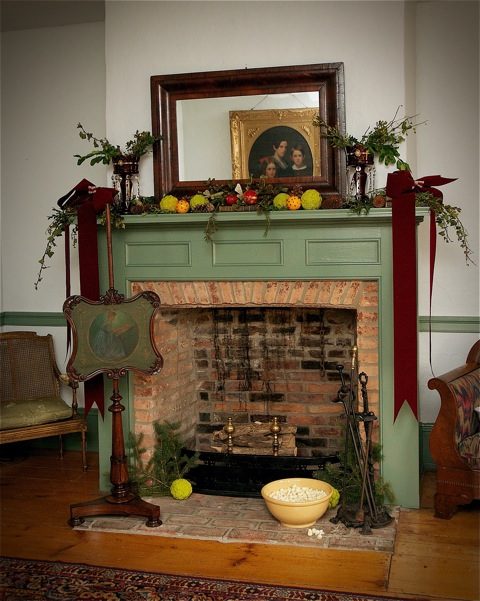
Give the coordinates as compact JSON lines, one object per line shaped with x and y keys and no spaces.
{"x":469,"y":449}
{"x":466,"y":391}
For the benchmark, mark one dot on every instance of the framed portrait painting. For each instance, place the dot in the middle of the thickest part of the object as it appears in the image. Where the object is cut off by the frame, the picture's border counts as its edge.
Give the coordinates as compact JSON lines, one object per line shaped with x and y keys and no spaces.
{"x":275,"y":143}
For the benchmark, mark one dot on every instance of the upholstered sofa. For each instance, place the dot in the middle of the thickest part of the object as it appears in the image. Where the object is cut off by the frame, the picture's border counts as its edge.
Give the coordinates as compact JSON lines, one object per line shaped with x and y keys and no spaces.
{"x":455,"y":438}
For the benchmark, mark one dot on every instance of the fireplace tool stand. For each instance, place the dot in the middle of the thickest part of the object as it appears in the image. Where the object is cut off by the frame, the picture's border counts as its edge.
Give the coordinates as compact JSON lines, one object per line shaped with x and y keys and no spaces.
{"x":366,"y":513}
{"x":113,"y":336}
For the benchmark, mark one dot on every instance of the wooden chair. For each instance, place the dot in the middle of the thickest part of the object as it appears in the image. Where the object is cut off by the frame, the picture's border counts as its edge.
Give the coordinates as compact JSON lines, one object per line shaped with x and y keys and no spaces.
{"x":30,"y":402}
{"x":455,"y":438}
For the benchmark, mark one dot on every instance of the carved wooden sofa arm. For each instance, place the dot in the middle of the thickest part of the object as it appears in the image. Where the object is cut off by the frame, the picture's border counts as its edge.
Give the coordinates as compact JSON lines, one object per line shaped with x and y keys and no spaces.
{"x":455,"y":438}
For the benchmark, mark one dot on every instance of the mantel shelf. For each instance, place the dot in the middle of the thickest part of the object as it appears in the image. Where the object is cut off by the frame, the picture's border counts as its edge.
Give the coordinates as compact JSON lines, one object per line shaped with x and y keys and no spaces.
{"x":298,"y":218}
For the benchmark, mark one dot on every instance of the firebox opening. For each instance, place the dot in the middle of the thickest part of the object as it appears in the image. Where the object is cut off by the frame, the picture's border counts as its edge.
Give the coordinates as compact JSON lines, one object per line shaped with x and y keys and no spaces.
{"x":256,"y":364}
{"x":252,"y":364}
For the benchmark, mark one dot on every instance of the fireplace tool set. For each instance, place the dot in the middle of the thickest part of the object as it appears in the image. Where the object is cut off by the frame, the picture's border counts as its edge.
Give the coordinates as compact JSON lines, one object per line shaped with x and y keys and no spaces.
{"x":366,"y":513}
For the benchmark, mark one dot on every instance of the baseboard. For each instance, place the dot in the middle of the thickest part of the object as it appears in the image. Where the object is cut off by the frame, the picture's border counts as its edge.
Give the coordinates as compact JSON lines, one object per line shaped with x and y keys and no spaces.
{"x":427,"y":463}
{"x":24,"y":318}
{"x":449,"y":325}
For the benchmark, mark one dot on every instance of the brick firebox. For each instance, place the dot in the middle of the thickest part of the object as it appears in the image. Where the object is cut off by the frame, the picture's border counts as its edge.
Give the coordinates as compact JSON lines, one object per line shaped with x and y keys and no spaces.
{"x":185,"y":391}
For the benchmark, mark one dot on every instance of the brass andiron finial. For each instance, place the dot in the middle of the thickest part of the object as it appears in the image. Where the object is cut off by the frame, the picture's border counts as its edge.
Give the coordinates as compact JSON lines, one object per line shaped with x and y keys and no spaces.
{"x":275,"y":429}
{"x":229,"y":428}
{"x":354,"y":353}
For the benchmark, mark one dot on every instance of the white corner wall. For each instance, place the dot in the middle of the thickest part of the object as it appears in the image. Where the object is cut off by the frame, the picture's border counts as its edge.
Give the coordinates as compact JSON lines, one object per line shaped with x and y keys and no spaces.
{"x":52,"y":78}
{"x":447,"y":96}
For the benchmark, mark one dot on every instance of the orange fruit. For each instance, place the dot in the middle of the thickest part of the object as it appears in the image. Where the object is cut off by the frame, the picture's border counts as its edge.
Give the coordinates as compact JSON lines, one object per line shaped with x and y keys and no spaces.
{"x":293,"y":203}
{"x":183,"y":206}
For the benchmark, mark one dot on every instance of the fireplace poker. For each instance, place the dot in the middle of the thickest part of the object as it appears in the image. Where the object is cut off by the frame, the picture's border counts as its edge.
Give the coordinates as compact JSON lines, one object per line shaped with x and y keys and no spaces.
{"x":360,"y":514}
{"x":341,"y":395}
{"x":367,"y":423}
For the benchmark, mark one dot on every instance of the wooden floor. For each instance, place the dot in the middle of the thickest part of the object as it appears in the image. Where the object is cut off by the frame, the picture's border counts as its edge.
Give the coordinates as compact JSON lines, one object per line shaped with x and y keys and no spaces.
{"x":433,"y":558}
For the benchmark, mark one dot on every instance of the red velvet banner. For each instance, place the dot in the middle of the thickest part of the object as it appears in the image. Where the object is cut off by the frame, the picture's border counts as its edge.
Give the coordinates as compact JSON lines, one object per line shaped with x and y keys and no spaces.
{"x":88,"y":200}
{"x":89,"y":276}
{"x":401,"y":187}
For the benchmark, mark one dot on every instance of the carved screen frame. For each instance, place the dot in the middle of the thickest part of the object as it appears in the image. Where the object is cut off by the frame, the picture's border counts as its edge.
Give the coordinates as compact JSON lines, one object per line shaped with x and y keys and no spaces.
{"x":326,"y":79}
{"x":127,"y":342}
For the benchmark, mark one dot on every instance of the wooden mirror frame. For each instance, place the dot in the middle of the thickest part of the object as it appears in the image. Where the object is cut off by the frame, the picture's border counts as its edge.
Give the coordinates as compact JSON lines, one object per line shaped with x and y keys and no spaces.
{"x":326,"y":79}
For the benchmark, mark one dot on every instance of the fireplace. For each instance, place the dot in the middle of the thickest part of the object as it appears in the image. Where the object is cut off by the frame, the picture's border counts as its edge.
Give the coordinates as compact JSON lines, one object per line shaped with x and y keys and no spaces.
{"x":309,"y":266}
{"x":273,"y":351}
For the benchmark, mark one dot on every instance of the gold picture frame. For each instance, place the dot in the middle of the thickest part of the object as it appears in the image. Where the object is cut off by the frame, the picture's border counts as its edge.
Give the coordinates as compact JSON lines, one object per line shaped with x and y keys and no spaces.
{"x":254,"y":136}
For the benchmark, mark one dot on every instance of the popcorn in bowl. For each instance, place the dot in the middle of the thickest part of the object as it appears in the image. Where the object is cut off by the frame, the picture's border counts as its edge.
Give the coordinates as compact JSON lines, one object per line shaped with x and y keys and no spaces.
{"x":297,"y":502}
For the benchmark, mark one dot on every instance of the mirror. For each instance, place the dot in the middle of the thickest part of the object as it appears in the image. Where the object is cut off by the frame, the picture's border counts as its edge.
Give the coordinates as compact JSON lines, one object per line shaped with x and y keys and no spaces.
{"x":223,"y":125}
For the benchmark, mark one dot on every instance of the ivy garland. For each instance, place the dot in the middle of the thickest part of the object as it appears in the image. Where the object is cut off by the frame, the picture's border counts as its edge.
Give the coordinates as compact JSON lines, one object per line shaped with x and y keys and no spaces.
{"x":447,"y":216}
{"x":59,"y":220}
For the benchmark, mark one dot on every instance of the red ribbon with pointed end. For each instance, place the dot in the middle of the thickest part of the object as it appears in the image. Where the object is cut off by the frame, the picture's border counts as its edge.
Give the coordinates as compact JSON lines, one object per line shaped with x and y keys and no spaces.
{"x":89,"y":274}
{"x":88,"y":200}
{"x":401,"y":188}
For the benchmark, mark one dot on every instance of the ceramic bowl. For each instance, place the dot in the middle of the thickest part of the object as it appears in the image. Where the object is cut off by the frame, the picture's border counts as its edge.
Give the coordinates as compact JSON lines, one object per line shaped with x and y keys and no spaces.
{"x":297,"y":514}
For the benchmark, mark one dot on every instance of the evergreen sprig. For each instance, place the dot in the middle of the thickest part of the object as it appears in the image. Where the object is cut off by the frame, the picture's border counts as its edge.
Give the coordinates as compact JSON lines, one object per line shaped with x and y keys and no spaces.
{"x":169,"y":461}
{"x":346,"y":477}
{"x":381,"y":140}
{"x":105,"y":152}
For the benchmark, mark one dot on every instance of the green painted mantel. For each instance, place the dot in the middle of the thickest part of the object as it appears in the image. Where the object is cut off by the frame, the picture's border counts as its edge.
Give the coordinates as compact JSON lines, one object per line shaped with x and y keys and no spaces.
{"x":312,"y":245}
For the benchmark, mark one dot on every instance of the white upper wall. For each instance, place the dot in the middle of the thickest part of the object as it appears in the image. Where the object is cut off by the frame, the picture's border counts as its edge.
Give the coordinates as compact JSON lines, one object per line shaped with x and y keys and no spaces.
{"x":155,"y":38}
{"x":422,"y":55}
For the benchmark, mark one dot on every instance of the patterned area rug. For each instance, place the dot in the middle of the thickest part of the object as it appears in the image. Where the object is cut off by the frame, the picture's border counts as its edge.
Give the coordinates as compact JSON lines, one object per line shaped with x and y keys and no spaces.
{"x":27,"y":580}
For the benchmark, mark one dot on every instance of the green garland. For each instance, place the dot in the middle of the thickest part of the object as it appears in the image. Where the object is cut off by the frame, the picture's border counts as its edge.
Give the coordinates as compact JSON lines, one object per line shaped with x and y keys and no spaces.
{"x":447,"y":217}
{"x":59,"y":220}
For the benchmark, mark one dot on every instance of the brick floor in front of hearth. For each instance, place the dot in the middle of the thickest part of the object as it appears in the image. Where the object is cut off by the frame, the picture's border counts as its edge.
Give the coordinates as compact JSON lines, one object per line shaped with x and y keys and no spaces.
{"x":239,"y":519}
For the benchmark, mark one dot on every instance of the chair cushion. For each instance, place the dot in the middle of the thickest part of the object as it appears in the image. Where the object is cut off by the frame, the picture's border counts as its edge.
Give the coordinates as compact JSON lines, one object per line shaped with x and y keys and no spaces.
{"x":469,"y":449}
{"x":17,"y":414}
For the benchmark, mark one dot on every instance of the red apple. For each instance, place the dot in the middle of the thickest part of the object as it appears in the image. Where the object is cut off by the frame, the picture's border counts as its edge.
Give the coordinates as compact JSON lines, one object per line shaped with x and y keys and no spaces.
{"x":250,"y":197}
{"x":231,"y":199}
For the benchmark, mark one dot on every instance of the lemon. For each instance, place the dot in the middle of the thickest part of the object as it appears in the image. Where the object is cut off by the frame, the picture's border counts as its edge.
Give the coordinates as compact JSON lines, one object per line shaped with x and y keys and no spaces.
{"x":280,"y":201}
{"x":333,"y":502}
{"x":168,"y":204}
{"x":198,"y":200}
{"x":181,"y":489}
{"x":311,"y":200}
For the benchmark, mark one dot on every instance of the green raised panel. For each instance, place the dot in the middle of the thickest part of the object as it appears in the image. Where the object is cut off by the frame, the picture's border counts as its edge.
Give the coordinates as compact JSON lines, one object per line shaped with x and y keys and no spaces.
{"x":342,"y":252}
{"x":247,"y":252}
{"x":160,"y":254}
